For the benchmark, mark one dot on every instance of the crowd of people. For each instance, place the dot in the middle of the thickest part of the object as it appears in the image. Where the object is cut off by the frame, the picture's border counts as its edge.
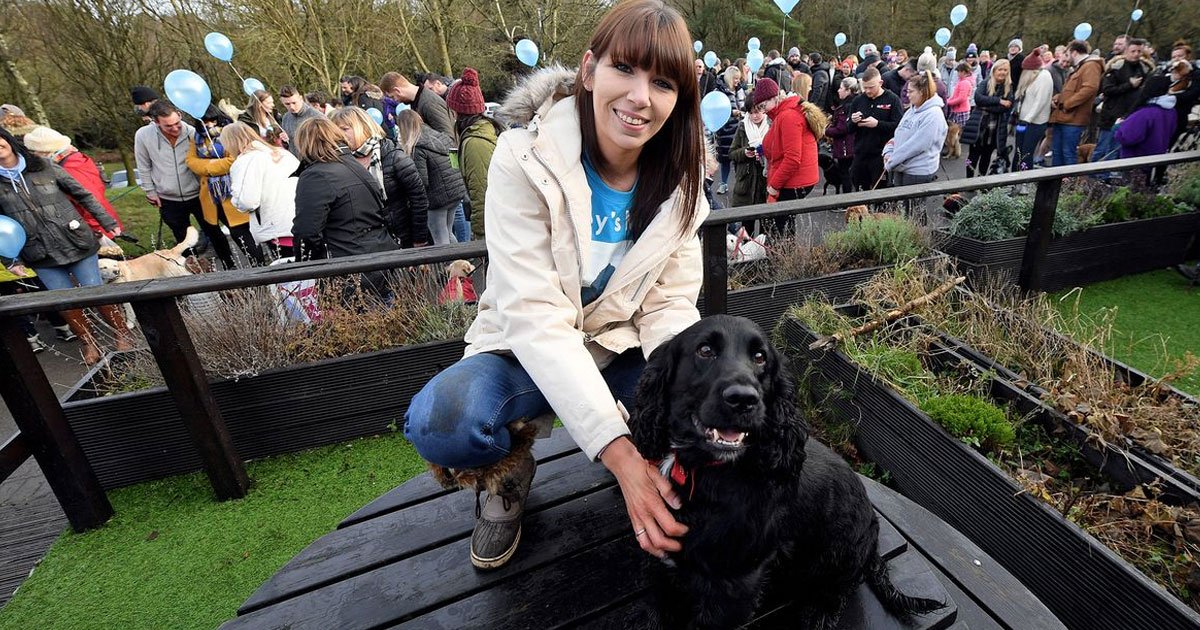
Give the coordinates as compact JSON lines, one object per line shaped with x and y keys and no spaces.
{"x":292,"y":175}
{"x":891,"y":118}
{"x":315,"y":180}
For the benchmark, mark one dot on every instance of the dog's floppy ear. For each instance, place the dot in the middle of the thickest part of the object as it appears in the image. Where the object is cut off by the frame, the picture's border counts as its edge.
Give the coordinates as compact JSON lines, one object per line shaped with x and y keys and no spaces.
{"x":783,"y":450}
{"x":649,"y":422}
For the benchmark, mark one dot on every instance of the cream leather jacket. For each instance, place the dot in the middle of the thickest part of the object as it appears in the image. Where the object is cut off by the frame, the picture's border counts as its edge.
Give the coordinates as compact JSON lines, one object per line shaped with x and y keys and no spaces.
{"x":538,"y":223}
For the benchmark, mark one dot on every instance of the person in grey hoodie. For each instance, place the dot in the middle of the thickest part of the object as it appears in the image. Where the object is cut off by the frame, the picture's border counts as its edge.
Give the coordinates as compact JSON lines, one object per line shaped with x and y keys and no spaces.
{"x":161,"y":150}
{"x":298,"y":111}
{"x":912,"y":156}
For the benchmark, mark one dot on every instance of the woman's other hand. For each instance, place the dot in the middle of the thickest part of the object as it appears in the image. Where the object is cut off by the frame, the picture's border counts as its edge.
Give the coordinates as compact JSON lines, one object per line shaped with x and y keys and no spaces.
{"x":647,"y":494}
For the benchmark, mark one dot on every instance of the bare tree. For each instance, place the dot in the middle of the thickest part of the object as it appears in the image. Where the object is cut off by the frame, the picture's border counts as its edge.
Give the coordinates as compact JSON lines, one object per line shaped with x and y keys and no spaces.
{"x":30,"y":95}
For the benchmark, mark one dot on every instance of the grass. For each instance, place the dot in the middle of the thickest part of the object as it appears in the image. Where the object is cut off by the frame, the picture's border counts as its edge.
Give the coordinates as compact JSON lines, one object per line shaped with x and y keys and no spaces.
{"x":173,"y":557}
{"x":1155,"y":320}
{"x":139,"y":218}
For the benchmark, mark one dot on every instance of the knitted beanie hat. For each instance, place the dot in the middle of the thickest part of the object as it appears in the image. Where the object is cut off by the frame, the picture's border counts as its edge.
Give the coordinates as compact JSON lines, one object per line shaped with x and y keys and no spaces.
{"x":972,"y":51}
{"x":765,"y":90}
{"x":46,"y":140}
{"x":142,"y":94}
{"x":1016,"y":41}
{"x":1032,"y":62}
{"x":464,"y":97}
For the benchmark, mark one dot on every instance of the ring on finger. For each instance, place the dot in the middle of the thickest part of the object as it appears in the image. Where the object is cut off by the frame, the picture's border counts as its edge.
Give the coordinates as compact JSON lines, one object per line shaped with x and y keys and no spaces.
{"x":639,"y":532}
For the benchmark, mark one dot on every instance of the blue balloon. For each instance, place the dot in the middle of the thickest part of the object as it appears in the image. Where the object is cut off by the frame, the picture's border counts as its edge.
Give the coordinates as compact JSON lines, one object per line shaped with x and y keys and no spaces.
{"x":958,"y":14}
{"x":1083,"y":31}
{"x":711,"y":59}
{"x":12,"y":237}
{"x":942,"y":36}
{"x":862,"y":52}
{"x":1136,"y":15}
{"x":188,"y":91}
{"x":252,"y":85}
{"x":697,"y":46}
{"x":755,"y":60}
{"x":839,"y":39}
{"x":715,"y":110}
{"x":401,"y":107}
{"x":753,"y":44}
{"x":527,"y":52}
{"x":375,"y":115}
{"x":218,"y":46}
{"x":786,"y":5}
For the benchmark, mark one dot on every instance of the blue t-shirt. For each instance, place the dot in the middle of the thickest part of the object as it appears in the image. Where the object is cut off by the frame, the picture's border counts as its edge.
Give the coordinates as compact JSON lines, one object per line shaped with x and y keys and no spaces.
{"x":610,"y":233}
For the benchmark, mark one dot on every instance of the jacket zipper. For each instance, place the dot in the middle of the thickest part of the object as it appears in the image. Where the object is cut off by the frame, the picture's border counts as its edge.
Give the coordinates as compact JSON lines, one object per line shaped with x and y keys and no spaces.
{"x":567,"y":203}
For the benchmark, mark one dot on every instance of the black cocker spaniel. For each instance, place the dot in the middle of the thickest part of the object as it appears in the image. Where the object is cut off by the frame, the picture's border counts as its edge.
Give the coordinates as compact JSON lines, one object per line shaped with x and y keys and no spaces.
{"x":771,"y":515}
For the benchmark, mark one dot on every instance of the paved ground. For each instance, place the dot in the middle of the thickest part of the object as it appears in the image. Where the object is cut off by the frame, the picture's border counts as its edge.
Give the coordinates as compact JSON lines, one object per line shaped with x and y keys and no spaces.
{"x":30,"y":518}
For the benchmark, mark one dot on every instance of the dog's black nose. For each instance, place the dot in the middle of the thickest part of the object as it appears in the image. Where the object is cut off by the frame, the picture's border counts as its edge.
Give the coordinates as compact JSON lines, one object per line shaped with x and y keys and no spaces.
{"x":740,"y":397}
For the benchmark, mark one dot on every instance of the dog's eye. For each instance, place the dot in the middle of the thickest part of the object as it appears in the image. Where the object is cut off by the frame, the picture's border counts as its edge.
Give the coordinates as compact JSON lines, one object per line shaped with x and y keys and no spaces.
{"x":760,"y":358}
{"x":705,"y":352}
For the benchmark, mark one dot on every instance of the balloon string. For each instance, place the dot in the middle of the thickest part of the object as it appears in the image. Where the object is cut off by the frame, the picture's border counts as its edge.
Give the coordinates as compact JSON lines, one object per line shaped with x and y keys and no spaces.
{"x":235,"y":71}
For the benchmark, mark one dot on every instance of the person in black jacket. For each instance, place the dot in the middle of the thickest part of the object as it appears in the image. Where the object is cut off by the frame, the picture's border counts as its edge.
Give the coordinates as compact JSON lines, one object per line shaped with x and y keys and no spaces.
{"x":357,"y":92}
{"x":339,"y":204}
{"x":430,"y":150}
{"x":819,"y":94}
{"x":406,"y":203}
{"x":59,"y":246}
{"x":875,"y":114}
{"x":1121,"y":86}
{"x":987,"y":129}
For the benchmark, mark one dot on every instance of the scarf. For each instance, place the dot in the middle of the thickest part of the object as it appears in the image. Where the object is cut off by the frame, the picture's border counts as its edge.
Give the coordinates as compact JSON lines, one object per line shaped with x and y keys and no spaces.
{"x":370,"y":149}
{"x":1166,"y":101}
{"x":13,"y":175}
{"x":210,"y":149}
{"x":756,"y":133}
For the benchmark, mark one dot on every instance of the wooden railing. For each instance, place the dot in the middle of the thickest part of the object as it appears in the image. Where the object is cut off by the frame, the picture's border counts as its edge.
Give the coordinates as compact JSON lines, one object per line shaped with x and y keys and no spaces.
{"x":46,"y":434}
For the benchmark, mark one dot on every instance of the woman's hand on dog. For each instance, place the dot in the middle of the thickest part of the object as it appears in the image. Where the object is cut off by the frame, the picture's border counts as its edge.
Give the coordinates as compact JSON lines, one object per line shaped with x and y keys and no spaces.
{"x":647,"y":494}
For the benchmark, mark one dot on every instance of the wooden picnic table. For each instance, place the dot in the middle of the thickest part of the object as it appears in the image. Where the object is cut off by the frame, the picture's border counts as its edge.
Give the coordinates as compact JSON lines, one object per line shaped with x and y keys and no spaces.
{"x":402,"y":561}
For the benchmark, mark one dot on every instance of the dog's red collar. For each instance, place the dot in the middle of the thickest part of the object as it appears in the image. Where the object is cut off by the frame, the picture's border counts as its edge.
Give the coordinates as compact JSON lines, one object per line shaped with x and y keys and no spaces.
{"x":670,"y":468}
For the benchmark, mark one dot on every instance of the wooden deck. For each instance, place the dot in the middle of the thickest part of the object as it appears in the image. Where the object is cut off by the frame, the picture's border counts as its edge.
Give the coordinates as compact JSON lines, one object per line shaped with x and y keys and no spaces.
{"x":402,"y":561}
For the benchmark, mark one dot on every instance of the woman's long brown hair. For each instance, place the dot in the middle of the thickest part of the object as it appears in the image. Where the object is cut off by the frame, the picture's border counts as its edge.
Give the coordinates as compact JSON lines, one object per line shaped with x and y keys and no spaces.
{"x":652,"y":36}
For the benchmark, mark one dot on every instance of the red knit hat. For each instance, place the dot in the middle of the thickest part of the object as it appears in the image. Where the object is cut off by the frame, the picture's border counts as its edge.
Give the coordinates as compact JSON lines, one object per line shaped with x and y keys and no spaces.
{"x":1033,"y":61}
{"x":464,"y":96}
{"x":765,"y":90}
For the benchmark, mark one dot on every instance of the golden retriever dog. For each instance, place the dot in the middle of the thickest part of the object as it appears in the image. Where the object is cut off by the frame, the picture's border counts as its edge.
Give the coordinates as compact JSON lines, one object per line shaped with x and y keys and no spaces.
{"x":1085,"y":152}
{"x":164,"y":263}
{"x":952,"y":148}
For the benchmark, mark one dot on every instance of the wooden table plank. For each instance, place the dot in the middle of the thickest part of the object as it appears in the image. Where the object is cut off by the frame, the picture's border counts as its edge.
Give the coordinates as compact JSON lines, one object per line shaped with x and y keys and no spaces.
{"x":423,"y":487}
{"x":394,"y":536}
{"x":992,"y":586}
{"x":406,"y":589}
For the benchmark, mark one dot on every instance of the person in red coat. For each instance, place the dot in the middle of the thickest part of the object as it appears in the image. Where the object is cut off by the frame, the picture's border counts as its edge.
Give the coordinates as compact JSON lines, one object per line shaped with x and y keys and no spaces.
{"x":790,"y":146}
{"x":52,"y":145}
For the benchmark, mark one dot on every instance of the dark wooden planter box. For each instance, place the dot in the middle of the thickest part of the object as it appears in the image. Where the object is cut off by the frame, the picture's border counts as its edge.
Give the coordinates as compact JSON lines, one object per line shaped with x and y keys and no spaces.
{"x":765,"y":304}
{"x":134,"y":437}
{"x":1083,"y":582}
{"x":138,"y":436}
{"x":1093,"y":255}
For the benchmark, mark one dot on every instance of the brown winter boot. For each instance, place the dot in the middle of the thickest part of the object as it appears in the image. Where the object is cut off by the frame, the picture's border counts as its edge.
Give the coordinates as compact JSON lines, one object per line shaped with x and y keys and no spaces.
{"x":498,"y":519}
{"x":116,"y":318}
{"x":79,"y":323}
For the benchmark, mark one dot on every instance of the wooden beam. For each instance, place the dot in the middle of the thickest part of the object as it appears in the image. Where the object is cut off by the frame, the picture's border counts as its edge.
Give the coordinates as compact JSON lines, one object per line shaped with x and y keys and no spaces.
{"x":716,"y":268}
{"x":46,"y":432}
{"x":175,"y":353}
{"x":1041,"y":227}
{"x":14,"y":453}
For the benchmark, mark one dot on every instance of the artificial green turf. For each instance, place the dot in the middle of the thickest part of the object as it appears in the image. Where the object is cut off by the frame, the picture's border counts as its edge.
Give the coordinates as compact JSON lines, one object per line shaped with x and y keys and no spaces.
{"x":1157,"y":320}
{"x":173,"y":557}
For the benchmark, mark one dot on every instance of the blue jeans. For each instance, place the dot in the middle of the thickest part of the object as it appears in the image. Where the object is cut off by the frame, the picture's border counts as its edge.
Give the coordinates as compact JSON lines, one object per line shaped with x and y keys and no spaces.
{"x":1065,"y":140}
{"x":460,"y":418}
{"x":1106,"y":146}
{"x":86,"y":271}
{"x":462,"y":228}
{"x":1026,"y":144}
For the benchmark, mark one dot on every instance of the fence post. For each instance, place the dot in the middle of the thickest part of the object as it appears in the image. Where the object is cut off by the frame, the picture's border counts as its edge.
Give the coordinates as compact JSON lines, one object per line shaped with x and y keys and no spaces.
{"x":716,"y":269}
{"x":172,"y":346}
{"x":46,"y":432}
{"x":1041,"y":225}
